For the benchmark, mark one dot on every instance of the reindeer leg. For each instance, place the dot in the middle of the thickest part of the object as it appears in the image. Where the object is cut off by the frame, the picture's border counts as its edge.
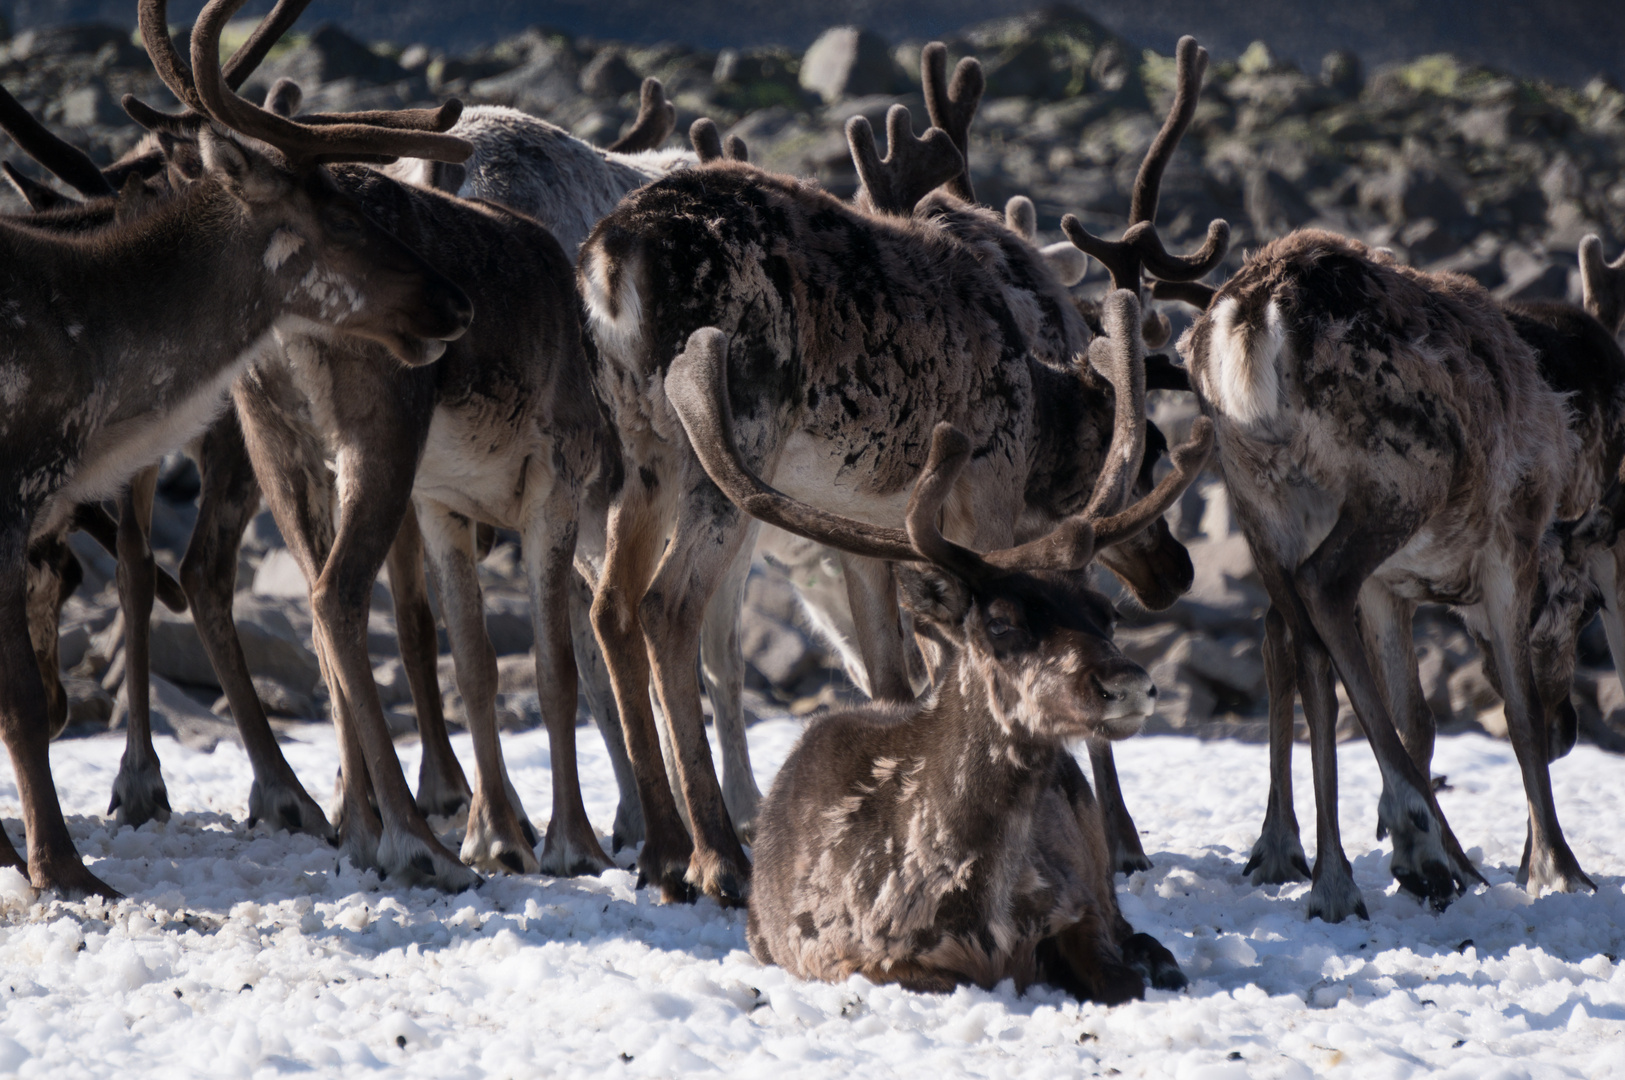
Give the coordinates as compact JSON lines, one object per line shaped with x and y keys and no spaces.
{"x":227,"y":503}
{"x":1278,"y":856}
{"x":290,"y":465}
{"x":1548,"y":862}
{"x":1427,"y":861}
{"x":707,"y":537}
{"x":1127,"y":853}
{"x":25,"y":727}
{"x":139,"y":795}
{"x":593,"y":674}
{"x":635,"y":531}
{"x":871,"y":591}
{"x":722,"y":667}
{"x":495,"y":840}
{"x":549,"y":548}
{"x":374,"y":493}
{"x":1387,"y":624}
{"x":442,"y":787}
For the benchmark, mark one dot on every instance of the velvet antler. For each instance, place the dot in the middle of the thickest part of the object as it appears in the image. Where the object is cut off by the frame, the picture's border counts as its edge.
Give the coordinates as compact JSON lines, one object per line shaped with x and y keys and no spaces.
{"x":656,"y":119}
{"x":911,"y":168}
{"x":952,"y":105}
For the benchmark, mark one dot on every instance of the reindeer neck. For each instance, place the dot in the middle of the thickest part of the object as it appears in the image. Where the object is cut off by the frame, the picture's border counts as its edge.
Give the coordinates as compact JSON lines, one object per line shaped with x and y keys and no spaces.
{"x":974,"y":761}
{"x":1072,"y":414}
{"x":165,"y":302}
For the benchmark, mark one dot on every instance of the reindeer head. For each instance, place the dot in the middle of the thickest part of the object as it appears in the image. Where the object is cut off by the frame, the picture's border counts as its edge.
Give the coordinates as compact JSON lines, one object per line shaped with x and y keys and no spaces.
{"x":340,"y":269}
{"x":1022,"y":625}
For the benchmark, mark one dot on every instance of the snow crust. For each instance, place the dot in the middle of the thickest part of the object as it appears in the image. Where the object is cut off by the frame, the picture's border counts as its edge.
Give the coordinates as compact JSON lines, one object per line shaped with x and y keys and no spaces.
{"x":251,"y":953}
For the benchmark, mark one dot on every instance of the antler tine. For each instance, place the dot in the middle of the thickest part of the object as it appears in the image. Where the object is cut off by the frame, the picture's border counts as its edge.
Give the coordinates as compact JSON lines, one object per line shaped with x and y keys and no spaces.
{"x":656,"y":119}
{"x":953,"y":105}
{"x":252,"y":52}
{"x":697,"y":387}
{"x":1190,"y":67}
{"x":435,"y":120}
{"x":64,"y":161}
{"x":1188,"y":459}
{"x":284,"y":97}
{"x":1603,"y":284}
{"x":1156,"y":260}
{"x":340,"y":141}
{"x":1021,"y":216}
{"x":1122,"y":261}
{"x":1119,"y":354}
{"x":911,"y":168}
{"x":950,"y":450}
{"x":736,"y":150}
{"x":153,"y":18}
{"x":1194,"y":293}
{"x":707,"y":141}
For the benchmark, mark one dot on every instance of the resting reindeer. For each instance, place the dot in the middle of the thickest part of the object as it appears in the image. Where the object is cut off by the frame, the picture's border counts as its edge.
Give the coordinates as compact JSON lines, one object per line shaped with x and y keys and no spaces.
{"x":956,"y":841}
{"x":856,"y":332}
{"x":86,"y":350}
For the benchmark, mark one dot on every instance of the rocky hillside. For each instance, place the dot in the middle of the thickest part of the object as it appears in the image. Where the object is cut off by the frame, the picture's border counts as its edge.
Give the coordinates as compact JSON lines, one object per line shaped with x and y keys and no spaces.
{"x":1447,"y":163}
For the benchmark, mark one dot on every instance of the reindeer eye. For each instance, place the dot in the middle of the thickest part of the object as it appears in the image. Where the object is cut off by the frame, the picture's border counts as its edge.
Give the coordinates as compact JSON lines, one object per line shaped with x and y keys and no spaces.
{"x":998,"y":627}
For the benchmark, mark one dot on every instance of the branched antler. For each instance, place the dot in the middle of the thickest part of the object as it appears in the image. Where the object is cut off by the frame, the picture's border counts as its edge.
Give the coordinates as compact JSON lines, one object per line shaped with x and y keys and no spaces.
{"x":952,"y":105}
{"x":708,"y":144}
{"x":1140,"y":250}
{"x":656,"y":119}
{"x":911,"y":168}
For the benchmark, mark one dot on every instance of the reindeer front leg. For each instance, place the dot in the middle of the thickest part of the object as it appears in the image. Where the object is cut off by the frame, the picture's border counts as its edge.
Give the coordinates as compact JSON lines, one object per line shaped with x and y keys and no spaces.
{"x":25,"y":727}
{"x":139,"y":795}
{"x":1278,"y":856}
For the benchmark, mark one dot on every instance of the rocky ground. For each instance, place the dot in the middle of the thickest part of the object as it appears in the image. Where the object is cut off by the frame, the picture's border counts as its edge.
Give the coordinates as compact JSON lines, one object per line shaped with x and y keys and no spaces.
{"x":1449,"y":165}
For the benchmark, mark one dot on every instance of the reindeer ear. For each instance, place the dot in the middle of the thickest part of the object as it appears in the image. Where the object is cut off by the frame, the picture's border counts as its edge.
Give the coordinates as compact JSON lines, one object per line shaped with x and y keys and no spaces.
{"x":932,"y":594}
{"x":184,"y":158}
{"x":245,"y":173}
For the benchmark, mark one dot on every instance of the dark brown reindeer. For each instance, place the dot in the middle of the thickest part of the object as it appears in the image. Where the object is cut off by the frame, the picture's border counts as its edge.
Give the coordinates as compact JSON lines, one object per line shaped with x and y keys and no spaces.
{"x":1387,"y":439}
{"x":229,"y":498}
{"x":855,"y":332}
{"x":955,"y":840}
{"x":104,"y":378}
{"x":503,"y":430}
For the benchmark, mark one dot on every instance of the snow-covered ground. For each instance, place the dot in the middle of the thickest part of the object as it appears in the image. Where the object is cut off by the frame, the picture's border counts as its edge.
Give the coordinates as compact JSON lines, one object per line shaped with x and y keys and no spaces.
{"x":251,"y":953}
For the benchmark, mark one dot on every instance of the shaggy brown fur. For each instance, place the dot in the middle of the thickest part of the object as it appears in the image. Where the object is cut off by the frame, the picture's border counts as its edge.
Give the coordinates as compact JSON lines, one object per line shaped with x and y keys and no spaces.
{"x":1387,"y":439}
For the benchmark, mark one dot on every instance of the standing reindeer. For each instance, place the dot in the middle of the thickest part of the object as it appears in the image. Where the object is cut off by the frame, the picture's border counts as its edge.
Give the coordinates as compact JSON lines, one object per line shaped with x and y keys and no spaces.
{"x":855,"y":333}
{"x":102,"y":377}
{"x":1387,"y":439}
{"x":956,"y":841}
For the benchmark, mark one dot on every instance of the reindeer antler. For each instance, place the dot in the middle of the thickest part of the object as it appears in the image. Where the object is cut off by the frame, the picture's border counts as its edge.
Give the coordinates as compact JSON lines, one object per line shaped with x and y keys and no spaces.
{"x":1141,"y":249}
{"x":1603,"y":284}
{"x":697,"y":386}
{"x":336,"y":138}
{"x":911,"y":168}
{"x":1194,"y":293}
{"x":656,"y":119}
{"x":708,"y":144}
{"x":62,"y":160}
{"x":952,"y":105}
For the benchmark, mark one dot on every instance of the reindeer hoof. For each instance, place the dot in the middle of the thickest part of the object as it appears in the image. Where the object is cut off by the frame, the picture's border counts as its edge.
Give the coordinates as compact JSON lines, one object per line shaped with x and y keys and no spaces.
{"x":139,"y":795}
{"x":1333,"y":899}
{"x":720,"y":877}
{"x":666,"y":865}
{"x":287,"y":806}
{"x":1276,"y":859}
{"x":420,"y":860}
{"x":1152,"y":959}
{"x":495,"y":841}
{"x":573,"y":851}
{"x":69,"y":878}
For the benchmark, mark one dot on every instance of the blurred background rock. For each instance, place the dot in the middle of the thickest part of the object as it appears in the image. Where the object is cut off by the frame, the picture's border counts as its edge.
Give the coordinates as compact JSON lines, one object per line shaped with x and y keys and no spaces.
{"x":1486,"y":138}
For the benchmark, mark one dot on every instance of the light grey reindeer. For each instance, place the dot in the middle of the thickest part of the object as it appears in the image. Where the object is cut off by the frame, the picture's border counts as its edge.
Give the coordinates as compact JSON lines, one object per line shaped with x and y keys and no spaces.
{"x":956,"y":840}
{"x":101,"y":377}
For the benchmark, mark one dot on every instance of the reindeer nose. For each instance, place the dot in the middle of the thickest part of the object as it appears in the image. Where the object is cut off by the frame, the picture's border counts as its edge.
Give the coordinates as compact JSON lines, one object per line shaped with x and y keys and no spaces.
{"x":1127,"y":692}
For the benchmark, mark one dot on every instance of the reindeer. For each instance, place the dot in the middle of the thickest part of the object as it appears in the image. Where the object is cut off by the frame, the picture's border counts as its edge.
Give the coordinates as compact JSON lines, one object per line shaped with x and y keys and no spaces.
{"x":508,"y":433}
{"x":101,"y":377}
{"x":229,"y":498}
{"x":956,"y":840}
{"x":857,"y":331}
{"x":1577,"y":359}
{"x":1387,"y":439}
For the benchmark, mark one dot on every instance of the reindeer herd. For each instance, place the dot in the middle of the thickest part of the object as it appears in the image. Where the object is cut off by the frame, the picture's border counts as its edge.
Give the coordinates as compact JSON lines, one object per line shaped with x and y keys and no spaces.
{"x":405,"y":329}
